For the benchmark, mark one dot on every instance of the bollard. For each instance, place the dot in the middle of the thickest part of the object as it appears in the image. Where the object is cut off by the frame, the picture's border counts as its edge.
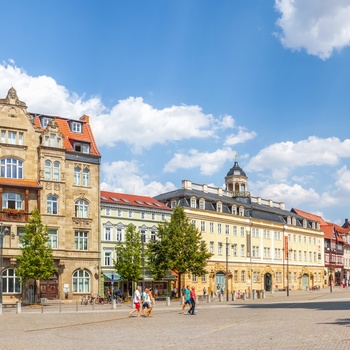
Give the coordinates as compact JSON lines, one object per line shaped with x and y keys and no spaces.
{"x":19,"y":307}
{"x":167,"y":301}
{"x":182,"y":301}
{"x":208,"y":298}
{"x":253,"y":293}
{"x":220,"y":297}
{"x":233,"y":295}
{"x":114,"y":304}
{"x":243,"y":296}
{"x":42,"y":308}
{"x":262,"y":294}
{"x":60,"y":306}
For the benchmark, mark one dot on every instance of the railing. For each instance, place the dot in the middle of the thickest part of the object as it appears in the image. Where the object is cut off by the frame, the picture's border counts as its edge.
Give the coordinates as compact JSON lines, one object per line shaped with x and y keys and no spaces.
{"x":14,"y":216}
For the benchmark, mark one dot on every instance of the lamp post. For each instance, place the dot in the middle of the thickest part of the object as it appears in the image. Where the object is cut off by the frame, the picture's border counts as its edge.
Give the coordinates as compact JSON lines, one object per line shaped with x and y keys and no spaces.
{"x":288,"y":251}
{"x":330,"y":268}
{"x":3,"y":230}
{"x":143,"y":237}
{"x":226,"y":269}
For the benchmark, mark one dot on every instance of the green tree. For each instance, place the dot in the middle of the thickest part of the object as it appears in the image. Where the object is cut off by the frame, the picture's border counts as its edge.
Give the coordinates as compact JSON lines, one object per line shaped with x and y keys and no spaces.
{"x":129,"y":255}
{"x":179,"y":246}
{"x":36,"y":261}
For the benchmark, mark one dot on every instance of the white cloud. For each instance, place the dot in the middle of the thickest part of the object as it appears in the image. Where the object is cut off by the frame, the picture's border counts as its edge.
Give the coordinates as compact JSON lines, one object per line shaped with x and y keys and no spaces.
{"x":241,"y":137}
{"x":318,"y":26}
{"x":284,"y":156}
{"x":209,"y":163}
{"x":124,"y":176}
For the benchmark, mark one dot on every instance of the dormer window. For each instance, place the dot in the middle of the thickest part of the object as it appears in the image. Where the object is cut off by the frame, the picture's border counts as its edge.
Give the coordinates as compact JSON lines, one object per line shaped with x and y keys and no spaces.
{"x":202,"y":204}
{"x":193,"y":202}
{"x":81,"y":147}
{"x":241,"y":211}
{"x":75,"y":127}
{"x":45,"y":121}
{"x":219,"y":207}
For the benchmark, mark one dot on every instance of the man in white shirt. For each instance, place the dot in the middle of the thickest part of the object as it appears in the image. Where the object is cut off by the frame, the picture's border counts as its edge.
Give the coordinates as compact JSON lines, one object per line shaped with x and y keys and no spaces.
{"x":137,"y":301}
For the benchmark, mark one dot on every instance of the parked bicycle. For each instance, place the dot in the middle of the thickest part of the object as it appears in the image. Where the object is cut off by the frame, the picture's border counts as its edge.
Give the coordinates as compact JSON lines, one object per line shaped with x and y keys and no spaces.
{"x":84,"y":300}
{"x":99,"y":300}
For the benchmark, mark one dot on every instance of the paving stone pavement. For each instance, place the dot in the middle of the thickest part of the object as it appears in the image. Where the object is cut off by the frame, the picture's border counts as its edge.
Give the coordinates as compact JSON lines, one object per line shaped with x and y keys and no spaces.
{"x":304,"y":320}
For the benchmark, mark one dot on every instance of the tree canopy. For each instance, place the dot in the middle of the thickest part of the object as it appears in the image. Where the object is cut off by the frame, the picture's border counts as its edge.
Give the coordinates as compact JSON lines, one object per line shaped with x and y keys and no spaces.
{"x":129,"y":259}
{"x":179,"y":246}
{"x":36,"y":261}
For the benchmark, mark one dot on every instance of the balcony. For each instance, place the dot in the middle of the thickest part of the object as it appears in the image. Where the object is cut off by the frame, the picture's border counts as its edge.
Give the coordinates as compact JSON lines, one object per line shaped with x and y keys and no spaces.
{"x":13,"y":215}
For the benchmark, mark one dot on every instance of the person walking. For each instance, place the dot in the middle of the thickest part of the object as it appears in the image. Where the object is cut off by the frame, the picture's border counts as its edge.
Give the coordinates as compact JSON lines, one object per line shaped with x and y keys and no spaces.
{"x":193,"y":298}
{"x":137,"y":300}
{"x":187,"y":299}
{"x":150,"y":303}
{"x":204,"y":291}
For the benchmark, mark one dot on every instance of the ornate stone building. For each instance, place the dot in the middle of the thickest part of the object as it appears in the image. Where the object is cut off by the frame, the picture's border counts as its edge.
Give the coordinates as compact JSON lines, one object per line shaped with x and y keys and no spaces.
{"x":53,"y":164}
{"x":256,"y":243}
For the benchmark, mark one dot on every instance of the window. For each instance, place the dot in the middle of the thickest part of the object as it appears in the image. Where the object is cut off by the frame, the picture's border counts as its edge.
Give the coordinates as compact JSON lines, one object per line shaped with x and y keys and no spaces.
{"x":219,"y":248}
{"x":234,"y":210}
{"x":204,"y":278}
{"x":173,"y":204}
{"x":108,"y":258}
{"x":277,"y":235}
{"x":219,"y":207}
{"x":235,"y":231}
{"x":163,"y":217}
{"x":52,"y":205}
{"x":45,"y":121}
{"x":12,"y":137}
{"x":211,"y":227}
{"x":255,"y":232}
{"x":234,"y":249}
{"x":47,"y":170}
{"x":227,"y":229}
{"x":202,"y":204}
{"x":119,"y":234}
{"x":81,"y":240}
{"x":108,"y":235}
{"x":52,"y":238}
{"x":20,"y":233}
{"x":267,"y":251}
{"x":75,"y":127}
{"x":12,"y":201}
{"x":255,"y":251}
{"x":256,"y":276}
{"x":194,"y":223}
{"x":194,"y":278}
{"x":242,"y":231}
{"x":77,"y":176}
{"x":153,"y":235}
{"x":11,"y":168}
{"x":56,"y":171}
{"x":242,"y":276}
{"x":300,"y":258}
{"x":219,"y":228}
{"x":266,"y":234}
{"x":241,"y":211}
{"x":81,"y":282}
{"x":10,"y":282}
{"x":242,"y":250}
{"x":278,"y":277}
{"x":153,"y":216}
{"x":203,"y":226}
{"x":81,"y":208}
{"x":86,"y":177}
{"x":81,"y":147}
{"x":143,"y":236}
{"x":143,"y":215}
{"x":211,"y":247}
{"x":120,"y":212}
{"x":130,"y":214}
{"x":193,"y":203}
{"x":235,"y":276}
{"x":277,"y":253}
{"x":299,"y":239}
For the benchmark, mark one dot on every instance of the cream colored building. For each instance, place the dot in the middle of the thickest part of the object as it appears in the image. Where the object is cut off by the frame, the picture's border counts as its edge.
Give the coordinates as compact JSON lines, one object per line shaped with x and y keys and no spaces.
{"x":255,"y":243}
{"x":118,"y":211}
{"x":53,"y":164}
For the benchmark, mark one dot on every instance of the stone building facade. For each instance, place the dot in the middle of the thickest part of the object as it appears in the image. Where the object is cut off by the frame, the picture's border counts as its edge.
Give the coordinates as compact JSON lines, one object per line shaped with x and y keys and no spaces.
{"x":255,"y":243}
{"x":51,"y":163}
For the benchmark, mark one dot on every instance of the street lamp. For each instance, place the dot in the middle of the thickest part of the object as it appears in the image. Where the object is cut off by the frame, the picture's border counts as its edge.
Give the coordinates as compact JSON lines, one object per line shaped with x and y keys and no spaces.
{"x":226,"y":269}
{"x":3,"y":230}
{"x":288,"y":251}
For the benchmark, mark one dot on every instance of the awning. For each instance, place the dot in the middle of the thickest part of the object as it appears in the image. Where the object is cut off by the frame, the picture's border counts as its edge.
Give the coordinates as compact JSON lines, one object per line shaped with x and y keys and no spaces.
{"x":109,"y":276}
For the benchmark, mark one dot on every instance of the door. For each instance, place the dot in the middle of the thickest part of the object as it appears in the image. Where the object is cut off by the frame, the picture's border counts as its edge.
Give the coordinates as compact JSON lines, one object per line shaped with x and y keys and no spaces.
{"x":305,"y":281}
{"x":49,"y":288}
{"x":267,"y":282}
{"x":220,"y":281}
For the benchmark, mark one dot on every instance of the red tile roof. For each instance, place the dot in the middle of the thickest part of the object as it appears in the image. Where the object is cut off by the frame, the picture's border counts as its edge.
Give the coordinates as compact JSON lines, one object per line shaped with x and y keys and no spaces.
{"x":85,"y":136}
{"x":132,"y":200}
{"x":310,"y":216}
{"x":19,"y":182}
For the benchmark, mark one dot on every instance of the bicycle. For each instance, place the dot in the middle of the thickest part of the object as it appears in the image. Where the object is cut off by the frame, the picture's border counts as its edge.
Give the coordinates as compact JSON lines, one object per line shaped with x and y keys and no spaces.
{"x":119,"y":300}
{"x":84,"y":300}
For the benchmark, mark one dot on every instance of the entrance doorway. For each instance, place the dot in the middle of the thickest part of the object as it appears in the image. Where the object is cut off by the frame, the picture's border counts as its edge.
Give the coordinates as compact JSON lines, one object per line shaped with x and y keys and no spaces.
{"x":267,"y":282}
{"x":305,"y":281}
{"x":49,"y":288}
{"x":220,"y":281}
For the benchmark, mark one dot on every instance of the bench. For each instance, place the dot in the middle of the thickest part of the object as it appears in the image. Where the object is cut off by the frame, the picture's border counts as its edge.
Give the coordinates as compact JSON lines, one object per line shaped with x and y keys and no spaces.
{"x":9,"y":305}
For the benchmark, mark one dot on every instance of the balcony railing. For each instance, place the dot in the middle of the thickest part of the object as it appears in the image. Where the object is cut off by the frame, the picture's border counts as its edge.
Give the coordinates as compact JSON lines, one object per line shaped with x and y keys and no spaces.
{"x":14,"y":215}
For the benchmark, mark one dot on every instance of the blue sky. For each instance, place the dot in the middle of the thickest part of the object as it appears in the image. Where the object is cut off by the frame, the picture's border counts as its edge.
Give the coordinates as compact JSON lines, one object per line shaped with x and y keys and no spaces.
{"x":176,"y":88}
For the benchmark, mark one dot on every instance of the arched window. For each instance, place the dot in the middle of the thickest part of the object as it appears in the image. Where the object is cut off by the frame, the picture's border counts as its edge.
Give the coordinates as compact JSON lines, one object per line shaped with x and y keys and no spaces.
{"x":10,"y":282}
{"x":12,"y":201}
{"x":56,"y":171}
{"x":11,"y":168}
{"x":86,"y":177}
{"x":47,"y":171}
{"x":52,"y":205}
{"x":77,"y":179}
{"x":81,"y":208}
{"x":81,"y":281}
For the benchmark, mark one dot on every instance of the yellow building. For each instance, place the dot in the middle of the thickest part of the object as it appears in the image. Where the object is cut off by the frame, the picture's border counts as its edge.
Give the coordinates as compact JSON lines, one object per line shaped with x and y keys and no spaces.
{"x":53,"y":164}
{"x":255,"y":243}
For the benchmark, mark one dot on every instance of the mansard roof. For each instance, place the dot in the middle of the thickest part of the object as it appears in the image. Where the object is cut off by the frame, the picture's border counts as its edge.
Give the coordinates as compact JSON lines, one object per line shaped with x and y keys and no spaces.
{"x":253,"y":210}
